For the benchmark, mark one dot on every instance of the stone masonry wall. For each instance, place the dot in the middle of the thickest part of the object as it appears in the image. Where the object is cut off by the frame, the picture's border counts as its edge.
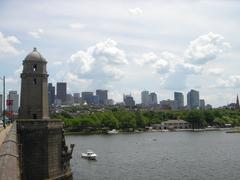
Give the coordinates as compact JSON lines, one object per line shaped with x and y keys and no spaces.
{"x":9,"y":157}
{"x":41,"y":142}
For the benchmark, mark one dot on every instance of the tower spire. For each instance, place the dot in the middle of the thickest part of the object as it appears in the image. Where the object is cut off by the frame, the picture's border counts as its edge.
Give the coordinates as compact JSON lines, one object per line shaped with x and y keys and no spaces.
{"x":237,"y":103}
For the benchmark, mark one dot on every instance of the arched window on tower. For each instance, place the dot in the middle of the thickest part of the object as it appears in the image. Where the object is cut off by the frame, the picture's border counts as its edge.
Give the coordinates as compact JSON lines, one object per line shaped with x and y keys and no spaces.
{"x":34,"y":68}
{"x":34,"y":81}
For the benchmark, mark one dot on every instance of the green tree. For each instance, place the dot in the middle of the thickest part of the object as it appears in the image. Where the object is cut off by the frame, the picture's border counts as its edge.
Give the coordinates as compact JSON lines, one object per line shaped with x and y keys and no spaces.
{"x":195,"y":117}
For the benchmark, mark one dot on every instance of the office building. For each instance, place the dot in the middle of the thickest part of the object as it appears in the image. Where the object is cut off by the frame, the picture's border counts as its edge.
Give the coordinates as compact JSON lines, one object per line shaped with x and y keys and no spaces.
{"x":14,"y":97}
{"x":62,"y":91}
{"x":208,"y":106}
{"x":145,"y":98}
{"x":76,"y":98}
{"x":193,"y":99}
{"x":128,"y":100}
{"x":178,"y":98}
{"x":103,"y":96}
{"x":110,"y":102}
{"x":153,"y":99}
{"x":70,"y":99}
{"x":51,"y":94}
{"x":96,"y":100}
{"x":202,"y":104}
{"x":87,"y":97}
{"x":168,"y":104}
{"x":237,"y":103}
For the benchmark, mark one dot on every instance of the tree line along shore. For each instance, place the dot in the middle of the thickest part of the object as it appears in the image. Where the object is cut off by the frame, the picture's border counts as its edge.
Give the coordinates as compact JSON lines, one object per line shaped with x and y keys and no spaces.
{"x":137,"y":119}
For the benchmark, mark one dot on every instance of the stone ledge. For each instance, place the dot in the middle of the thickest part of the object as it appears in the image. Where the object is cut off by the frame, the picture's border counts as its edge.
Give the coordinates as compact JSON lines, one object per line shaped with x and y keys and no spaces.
{"x":9,"y":157}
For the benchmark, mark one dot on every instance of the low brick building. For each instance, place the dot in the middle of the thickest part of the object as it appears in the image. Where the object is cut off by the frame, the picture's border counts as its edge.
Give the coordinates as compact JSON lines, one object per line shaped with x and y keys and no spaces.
{"x":175,"y":124}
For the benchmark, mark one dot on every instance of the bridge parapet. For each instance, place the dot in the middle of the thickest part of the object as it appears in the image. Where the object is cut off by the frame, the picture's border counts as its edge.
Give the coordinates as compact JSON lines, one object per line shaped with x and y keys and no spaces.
{"x":9,"y":156}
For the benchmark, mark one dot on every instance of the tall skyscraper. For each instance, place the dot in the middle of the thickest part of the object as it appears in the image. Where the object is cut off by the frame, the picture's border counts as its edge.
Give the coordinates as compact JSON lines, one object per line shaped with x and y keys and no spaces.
{"x":76,"y":97}
{"x":179,"y":100}
{"x":62,"y":91}
{"x":145,"y":98}
{"x":51,"y":94}
{"x":13,"y":95}
{"x":153,"y":99}
{"x":193,"y":99}
{"x":96,"y":100}
{"x":103,"y":96}
{"x":237,"y":103}
{"x":88,"y":97}
{"x":128,"y":100}
{"x":202,"y":104}
{"x":70,"y":99}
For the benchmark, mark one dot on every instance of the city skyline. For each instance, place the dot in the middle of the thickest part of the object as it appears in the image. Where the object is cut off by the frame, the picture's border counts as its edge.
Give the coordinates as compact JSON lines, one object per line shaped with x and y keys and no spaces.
{"x":127,"y":46}
{"x":150,"y":101}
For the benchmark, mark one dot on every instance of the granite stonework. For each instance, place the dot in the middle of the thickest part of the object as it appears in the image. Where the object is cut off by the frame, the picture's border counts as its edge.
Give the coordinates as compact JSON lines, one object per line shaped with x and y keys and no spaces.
{"x":43,"y":151}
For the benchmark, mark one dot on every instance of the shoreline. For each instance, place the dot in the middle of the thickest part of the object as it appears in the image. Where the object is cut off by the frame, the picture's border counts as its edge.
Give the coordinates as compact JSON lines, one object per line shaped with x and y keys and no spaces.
{"x":84,"y":133}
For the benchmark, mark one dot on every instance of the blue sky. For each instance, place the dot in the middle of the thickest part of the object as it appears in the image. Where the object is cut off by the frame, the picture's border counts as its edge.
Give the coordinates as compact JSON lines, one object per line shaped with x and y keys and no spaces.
{"x":127,"y":46}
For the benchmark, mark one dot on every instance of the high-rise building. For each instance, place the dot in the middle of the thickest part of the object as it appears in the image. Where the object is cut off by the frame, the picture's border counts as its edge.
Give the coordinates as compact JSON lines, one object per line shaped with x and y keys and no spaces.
{"x":153,"y":99}
{"x":76,"y":97}
{"x":87,"y":97}
{"x":70,"y":99}
{"x":178,"y":98}
{"x":128,"y":100}
{"x":51,"y":94}
{"x":202,"y":104}
{"x":96,"y":100}
{"x":1,"y":104}
{"x":237,"y":103}
{"x":14,"y":97}
{"x":62,"y":91}
{"x":103,"y":96}
{"x":145,"y":98}
{"x":193,"y":99}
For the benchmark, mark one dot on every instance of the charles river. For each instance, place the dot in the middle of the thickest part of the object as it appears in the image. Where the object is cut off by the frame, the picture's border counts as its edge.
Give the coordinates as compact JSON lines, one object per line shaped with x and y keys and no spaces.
{"x":158,"y":155}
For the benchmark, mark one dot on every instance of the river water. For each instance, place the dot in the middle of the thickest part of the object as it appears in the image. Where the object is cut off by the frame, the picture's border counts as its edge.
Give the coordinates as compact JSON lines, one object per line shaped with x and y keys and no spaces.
{"x":159,"y":155}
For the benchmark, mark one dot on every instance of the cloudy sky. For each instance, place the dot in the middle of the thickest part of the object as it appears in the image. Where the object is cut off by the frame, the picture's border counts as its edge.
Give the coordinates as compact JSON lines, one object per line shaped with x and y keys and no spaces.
{"x":127,"y":46}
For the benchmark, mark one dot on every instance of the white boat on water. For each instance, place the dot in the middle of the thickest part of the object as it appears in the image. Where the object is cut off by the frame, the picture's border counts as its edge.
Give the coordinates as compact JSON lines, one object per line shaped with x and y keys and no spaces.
{"x":89,"y":155}
{"x":113,"y":131}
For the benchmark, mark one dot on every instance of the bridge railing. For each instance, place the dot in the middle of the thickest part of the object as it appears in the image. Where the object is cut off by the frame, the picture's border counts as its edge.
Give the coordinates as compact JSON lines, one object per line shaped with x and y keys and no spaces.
{"x":9,"y":156}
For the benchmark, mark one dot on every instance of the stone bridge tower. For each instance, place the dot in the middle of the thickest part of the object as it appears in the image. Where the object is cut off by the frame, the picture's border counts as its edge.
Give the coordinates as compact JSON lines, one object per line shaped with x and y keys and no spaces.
{"x":43,"y":152}
{"x":34,"y":87}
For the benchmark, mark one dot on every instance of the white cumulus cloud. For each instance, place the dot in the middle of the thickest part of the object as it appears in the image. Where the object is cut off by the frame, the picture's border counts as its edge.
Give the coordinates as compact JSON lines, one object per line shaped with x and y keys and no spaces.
{"x":77,"y":26}
{"x":99,"y":64}
{"x":177,"y":80}
{"x":37,"y":34}
{"x":7,"y":44}
{"x":161,"y":64}
{"x":205,"y":48}
{"x":108,"y":52}
{"x":215,"y":71}
{"x":81,"y":61}
{"x":230,"y":82}
{"x":172,"y":68}
{"x":135,"y":11}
